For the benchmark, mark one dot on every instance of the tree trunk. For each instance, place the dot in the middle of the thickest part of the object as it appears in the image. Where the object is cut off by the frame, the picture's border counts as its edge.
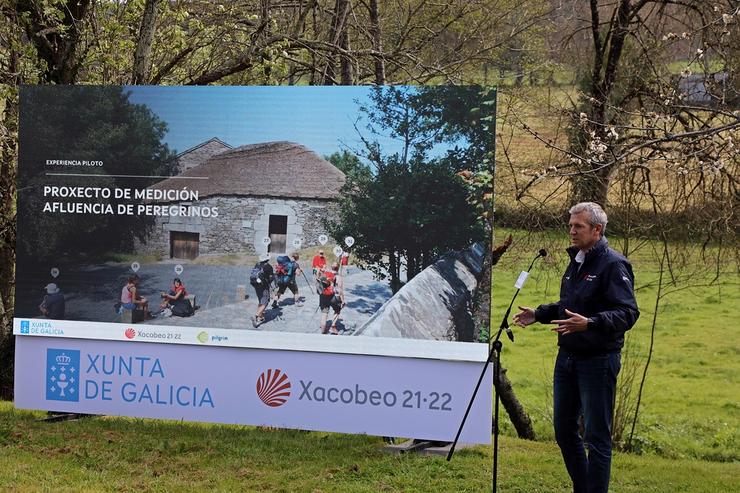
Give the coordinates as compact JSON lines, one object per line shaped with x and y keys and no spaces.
{"x":592,"y":187}
{"x":142,"y":61}
{"x":375,"y":33}
{"x":393,"y":271}
{"x":518,"y":416}
{"x":345,"y":62}
{"x":338,"y":37}
{"x":608,"y":48}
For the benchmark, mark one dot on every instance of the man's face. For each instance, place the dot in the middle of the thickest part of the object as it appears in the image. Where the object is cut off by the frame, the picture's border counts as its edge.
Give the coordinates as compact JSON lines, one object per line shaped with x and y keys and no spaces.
{"x":582,"y":235}
{"x":321,"y":254}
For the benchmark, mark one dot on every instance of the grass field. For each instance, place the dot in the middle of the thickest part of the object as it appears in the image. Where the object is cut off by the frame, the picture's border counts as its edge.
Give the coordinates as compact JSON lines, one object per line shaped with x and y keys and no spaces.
{"x":119,"y":454}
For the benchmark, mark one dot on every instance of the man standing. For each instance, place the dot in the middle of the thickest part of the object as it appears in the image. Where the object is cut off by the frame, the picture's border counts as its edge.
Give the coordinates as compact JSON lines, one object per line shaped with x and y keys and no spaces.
{"x":260,"y":278}
{"x":597,"y":306}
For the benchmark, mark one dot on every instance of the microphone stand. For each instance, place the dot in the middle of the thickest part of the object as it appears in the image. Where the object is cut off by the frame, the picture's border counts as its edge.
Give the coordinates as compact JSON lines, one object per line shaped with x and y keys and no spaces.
{"x":494,"y":356}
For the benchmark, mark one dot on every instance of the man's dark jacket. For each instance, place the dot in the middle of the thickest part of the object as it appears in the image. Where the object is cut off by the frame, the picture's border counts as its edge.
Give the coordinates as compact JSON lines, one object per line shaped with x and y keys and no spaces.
{"x":602,"y":290}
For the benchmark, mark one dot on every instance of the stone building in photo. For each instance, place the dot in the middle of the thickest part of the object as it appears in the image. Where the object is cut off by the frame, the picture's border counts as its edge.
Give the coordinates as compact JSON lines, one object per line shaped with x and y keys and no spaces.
{"x":276,"y":190}
{"x":196,"y":155}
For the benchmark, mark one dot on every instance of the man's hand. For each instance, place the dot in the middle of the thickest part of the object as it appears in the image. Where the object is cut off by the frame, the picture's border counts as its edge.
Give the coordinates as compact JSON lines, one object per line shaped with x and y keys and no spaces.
{"x":576,"y":323}
{"x":524,"y":317}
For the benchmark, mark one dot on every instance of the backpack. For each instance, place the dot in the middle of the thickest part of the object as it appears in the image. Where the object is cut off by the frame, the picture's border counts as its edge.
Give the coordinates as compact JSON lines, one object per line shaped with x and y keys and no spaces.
{"x":284,"y":270}
{"x":325,"y":285}
{"x":257,"y":276}
{"x":182,"y":308}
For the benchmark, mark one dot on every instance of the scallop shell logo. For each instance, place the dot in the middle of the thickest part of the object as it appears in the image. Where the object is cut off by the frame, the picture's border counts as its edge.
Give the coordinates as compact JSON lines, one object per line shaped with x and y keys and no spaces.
{"x":273,"y":387}
{"x":130,"y":333}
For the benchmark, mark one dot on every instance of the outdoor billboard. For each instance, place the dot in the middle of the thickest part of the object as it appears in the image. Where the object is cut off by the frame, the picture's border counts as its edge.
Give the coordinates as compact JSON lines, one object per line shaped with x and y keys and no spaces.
{"x":151,"y":215}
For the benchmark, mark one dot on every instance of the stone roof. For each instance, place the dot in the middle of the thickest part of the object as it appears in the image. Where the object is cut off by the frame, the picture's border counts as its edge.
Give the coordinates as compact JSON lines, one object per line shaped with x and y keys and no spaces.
{"x":273,"y":169}
{"x":212,"y":140}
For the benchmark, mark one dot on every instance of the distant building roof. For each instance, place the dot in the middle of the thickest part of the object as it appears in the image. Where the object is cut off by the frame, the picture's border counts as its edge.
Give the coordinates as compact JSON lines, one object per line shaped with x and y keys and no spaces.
{"x":215,"y":140}
{"x":704,"y":88}
{"x":273,"y":169}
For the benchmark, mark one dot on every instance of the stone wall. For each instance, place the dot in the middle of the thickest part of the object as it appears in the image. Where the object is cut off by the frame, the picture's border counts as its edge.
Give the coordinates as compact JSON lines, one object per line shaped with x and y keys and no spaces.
{"x":199,"y":155}
{"x":436,"y":304}
{"x":241,"y":225}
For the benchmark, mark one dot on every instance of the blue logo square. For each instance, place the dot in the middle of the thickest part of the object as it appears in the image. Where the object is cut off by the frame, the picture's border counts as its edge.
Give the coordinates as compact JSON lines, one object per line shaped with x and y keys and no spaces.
{"x":62,"y":375}
{"x":25,"y":327}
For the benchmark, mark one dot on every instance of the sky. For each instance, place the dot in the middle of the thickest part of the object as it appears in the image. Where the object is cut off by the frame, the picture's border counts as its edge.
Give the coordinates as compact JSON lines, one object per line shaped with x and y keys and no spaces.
{"x":320,"y":118}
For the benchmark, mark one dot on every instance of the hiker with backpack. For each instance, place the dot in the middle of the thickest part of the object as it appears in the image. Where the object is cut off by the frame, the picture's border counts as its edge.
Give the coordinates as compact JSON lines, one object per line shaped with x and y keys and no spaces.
{"x":285,"y":276}
{"x":331,"y":294}
{"x":260,"y":278}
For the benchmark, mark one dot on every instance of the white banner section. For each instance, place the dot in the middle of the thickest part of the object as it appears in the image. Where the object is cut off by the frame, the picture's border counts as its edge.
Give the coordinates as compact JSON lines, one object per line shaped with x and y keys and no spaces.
{"x":290,"y":341}
{"x":347,"y":393}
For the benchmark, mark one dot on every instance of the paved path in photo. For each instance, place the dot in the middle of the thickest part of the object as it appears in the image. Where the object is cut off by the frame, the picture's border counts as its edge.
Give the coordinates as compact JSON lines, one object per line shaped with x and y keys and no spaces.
{"x":91,"y":292}
{"x":363,"y":294}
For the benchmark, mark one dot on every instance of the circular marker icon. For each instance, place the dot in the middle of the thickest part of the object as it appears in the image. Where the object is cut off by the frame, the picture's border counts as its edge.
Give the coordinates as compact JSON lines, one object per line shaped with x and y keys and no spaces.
{"x":349,"y":241}
{"x":266,"y":240}
{"x":178,"y":269}
{"x":297,"y":243}
{"x":337,"y":250}
{"x":54,"y":272}
{"x":323,"y":239}
{"x":135,"y":266}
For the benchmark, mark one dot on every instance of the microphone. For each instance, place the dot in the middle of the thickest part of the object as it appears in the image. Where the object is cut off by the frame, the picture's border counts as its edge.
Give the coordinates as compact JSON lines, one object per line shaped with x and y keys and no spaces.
{"x":519,"y":285}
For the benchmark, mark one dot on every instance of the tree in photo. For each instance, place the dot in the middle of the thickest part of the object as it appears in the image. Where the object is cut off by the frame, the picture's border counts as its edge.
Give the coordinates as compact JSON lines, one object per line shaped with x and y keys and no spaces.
{"x":78,"y":123}
{"x":349,"y":164}
{"x":414,"y":206}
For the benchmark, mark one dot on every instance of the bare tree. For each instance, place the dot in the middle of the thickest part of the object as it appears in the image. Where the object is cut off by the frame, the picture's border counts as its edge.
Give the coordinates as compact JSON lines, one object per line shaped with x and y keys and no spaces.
{"x":142,"y":57}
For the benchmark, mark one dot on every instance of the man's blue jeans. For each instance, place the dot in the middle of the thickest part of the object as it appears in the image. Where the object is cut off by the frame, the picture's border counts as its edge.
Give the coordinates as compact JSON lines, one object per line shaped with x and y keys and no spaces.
{"x":585,"y":385}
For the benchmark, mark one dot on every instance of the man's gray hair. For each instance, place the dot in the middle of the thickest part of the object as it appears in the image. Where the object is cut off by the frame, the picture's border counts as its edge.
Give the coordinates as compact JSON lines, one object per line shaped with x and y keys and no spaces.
{"x":596,"y":214}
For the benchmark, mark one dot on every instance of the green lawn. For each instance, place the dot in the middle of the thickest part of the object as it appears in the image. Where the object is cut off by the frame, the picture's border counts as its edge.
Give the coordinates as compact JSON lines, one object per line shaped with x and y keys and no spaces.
{"x":120,"y":454}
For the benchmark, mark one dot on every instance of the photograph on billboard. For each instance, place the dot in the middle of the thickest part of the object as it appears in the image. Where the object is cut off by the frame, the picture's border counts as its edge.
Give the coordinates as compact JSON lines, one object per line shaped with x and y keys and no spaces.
{"x":310,"y":211}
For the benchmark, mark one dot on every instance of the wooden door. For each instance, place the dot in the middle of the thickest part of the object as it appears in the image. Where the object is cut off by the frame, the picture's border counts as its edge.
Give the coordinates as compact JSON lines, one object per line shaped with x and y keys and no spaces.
{"x":184,"y":245}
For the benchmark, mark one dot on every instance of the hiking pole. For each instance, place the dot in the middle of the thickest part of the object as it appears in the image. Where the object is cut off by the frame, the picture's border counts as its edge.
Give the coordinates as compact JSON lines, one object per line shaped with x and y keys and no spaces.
{"x":306,"y":278}
{"x":313,"y":315}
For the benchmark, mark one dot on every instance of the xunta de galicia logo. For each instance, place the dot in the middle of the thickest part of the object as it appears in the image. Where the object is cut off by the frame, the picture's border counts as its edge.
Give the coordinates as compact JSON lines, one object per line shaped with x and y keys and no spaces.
{"x":62,"y":375}
{"x":273,"y":387}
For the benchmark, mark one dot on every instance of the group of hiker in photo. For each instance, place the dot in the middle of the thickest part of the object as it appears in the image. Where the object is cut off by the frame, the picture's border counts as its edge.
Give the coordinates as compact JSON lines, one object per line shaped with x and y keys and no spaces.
{"x":270,"y":283}
{"x":327,"y":279}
